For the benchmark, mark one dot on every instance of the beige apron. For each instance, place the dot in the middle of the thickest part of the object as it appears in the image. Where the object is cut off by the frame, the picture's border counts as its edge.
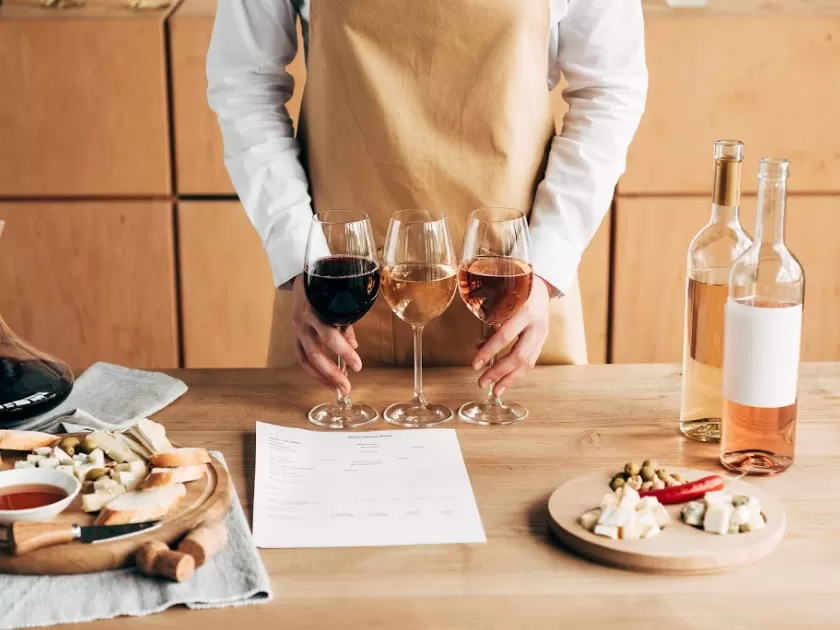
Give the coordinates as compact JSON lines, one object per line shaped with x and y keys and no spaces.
{"x":428,"y":104}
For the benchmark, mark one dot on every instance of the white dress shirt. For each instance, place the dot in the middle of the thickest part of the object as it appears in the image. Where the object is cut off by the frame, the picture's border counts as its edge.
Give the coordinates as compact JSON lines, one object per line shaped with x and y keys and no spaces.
{"x":597,"y":45}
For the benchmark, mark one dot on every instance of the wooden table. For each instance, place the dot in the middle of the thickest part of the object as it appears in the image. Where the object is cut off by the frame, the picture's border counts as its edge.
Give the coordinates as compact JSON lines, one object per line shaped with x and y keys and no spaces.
{"x":582,"y":419}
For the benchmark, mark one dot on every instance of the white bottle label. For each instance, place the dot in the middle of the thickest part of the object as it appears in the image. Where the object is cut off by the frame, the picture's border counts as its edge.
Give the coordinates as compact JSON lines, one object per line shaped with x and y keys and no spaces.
{"x":761,"y":354}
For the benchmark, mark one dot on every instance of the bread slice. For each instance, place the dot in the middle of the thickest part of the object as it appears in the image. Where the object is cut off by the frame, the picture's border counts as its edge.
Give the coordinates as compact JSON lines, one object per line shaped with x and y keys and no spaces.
{"x":180,"y":457}
{"x":140,"y":506}
{"x":136,"y":446}
{"x":153,"y":435}
{"x":160,"y":477}
{"x":11,"y":440}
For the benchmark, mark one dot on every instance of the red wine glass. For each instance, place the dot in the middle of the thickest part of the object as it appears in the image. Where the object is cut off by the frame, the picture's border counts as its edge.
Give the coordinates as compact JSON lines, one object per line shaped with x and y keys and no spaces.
{"x":495,"y":279}
{"x":341,"y":280}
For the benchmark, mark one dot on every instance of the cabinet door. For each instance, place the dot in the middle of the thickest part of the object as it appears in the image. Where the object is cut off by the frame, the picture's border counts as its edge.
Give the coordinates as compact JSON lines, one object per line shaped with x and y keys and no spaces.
{"x":769,"y":81}
{"x":83,"y":109}
{"x":91,"y":281}
{"x":227,"y":292}
{"x":199,"y":154}
{"x":594,"y":275}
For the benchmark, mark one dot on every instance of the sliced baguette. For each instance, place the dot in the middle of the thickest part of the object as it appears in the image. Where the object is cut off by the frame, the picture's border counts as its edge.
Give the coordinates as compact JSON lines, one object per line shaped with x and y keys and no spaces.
{"x":160,"y":477}
{"x":134,"y":445}
{"x":153,"y":435}
{"x":11,"y":440}
{"x":139,"y":506}
{"x":180,"y":457}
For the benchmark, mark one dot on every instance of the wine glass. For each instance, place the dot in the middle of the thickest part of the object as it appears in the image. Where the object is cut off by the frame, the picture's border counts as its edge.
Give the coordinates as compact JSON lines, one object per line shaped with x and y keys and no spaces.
{"x":419,"y":282}
{"x":341,"y":280}
{"x":495,"y":279}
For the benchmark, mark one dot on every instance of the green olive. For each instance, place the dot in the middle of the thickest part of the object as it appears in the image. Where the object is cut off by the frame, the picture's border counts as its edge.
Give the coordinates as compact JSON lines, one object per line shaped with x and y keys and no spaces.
{"x":678,"y":477}
{"x":631,"y":469}
{"x":647,"y":473}
{"x":662,"y":474}
{"x":88,"y":445}
{"x":69,"y":445}
{"x":96,"y":473}
{"x":617,"y":483}
{"x":649,"y":462}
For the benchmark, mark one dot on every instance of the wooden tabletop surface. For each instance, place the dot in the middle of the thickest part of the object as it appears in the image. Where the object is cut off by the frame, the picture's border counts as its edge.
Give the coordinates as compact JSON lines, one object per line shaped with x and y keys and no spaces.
{"x":583,"y":419}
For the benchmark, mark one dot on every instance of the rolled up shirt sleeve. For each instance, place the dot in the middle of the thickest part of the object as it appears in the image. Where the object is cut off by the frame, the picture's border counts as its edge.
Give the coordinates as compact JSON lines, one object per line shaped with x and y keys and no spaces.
{"x":248,"y":87}
{"x":601,"y":54}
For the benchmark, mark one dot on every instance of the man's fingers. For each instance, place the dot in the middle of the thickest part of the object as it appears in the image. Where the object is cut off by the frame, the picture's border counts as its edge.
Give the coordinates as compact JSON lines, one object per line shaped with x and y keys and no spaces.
{"x":300,"y":355}
{"x":501,"y":339}
{"x":321,"y":363}
{"x":350,"y":336}
{"x":335,"y":341}
{"x":519,"y":357}
{"x":510,"y":379}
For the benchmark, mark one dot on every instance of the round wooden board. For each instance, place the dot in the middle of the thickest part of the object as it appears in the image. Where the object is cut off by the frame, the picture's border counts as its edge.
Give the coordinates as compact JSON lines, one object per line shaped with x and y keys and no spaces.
{"x":680,"y":549}
{"x":208,"y":498}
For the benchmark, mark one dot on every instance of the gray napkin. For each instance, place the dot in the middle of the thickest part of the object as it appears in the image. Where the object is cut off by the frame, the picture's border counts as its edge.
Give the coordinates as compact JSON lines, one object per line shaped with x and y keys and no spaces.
{"x":108,"y":396}
{"x":235,"y":576}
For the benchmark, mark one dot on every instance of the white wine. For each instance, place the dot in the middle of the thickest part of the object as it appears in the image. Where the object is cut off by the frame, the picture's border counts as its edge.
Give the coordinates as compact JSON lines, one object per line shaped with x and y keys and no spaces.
{"x":419,"y":292}
{"x":702,"y":396}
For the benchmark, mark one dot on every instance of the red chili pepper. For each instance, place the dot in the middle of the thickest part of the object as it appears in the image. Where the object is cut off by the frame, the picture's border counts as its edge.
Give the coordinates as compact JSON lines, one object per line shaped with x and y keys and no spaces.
{"x":686,"y":491}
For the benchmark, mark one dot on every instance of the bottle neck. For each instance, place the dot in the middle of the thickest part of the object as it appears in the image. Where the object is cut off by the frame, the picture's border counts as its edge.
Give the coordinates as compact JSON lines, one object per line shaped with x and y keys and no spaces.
{"x":726,"y":195}
{"x":770,"y":222}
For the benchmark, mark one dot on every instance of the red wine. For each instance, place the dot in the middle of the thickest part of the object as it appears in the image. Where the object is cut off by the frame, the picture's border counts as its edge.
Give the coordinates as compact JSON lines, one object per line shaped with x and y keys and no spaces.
{"x":494,"y":288}
{"x":30,"y":388}
{"x":341,"y":289}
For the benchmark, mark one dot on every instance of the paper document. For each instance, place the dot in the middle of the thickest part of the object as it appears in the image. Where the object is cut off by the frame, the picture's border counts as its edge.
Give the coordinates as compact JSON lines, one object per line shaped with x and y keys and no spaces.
{"x":381,"y":488}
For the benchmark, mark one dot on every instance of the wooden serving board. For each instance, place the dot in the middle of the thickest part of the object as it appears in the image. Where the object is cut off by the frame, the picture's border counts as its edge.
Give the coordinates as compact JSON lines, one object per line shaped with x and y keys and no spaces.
{"x":207,"y":499}
{"x":680,"y":548}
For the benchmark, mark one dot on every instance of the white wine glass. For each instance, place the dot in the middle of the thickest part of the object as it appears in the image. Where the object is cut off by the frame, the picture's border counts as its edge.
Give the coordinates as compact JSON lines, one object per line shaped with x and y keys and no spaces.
{"x":341,"y":280}
{"x":419,"y":283}
{"x":495,"y":277}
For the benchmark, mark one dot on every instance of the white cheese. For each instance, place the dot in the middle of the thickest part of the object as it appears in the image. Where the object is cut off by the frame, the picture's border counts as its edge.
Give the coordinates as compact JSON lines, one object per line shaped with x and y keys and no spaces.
{"x":740,"y":515}
{"x":82,"y":471}
{"x":138,"y":467}
{"x":607,"y":530}
{"x":609,"y":516}
{"x":104,"y":482}
{"x":26,"y":464}
{"x":589,"y":520}
{"x":44,"y":451}
{"x":661,"y":516}
{"x":80,"y":458}
{"x":645,"y":518}
{"x":651,"y":532}
{"x":609,"y":500}
{"x":629,"y":532}
{"x":716,"y":520}
{"x":629,"y":497}
{"x":61,"y":456}
{"x":646,"y":503}
{"x":756,"y":522}
{"x":97,"y":458}
{"x":718,"y":497}
{"x":34,"y":458}
{"x":99,"y":499}
{"x":625,"y":516}
{"x":48,"y":462}
{"x":66,"y":468}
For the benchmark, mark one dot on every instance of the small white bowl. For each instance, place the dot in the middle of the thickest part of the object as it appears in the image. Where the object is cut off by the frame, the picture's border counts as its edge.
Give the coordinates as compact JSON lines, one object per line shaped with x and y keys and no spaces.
{"x":44,"y":477}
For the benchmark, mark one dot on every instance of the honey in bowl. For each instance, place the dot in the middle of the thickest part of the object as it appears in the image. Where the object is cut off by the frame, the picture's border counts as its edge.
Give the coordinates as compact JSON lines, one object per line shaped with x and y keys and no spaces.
{"x":29,"y":495}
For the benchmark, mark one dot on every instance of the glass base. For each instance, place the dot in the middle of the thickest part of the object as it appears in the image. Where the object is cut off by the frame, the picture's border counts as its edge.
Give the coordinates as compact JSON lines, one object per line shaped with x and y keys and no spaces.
{"x":336,"y":416}
{"x":413,"y":414}
{"x":756,"y":462}
{"x":701,"y":430}
{"x":487,"y":414}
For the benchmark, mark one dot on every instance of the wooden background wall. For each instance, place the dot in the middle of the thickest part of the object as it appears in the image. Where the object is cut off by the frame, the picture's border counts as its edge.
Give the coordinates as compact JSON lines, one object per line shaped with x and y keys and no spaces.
{"x":124,"y":240}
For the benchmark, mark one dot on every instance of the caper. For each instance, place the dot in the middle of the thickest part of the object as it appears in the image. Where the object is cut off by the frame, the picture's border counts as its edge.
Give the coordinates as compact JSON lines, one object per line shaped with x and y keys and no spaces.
{"x":662,"y":474}
{"x":647,"y":473}
{"x":649,"y":462}
{"x":743,"y":528}
{"x":631,"y":469}
{"x":96,"y":473}
{"x":617,"y":483}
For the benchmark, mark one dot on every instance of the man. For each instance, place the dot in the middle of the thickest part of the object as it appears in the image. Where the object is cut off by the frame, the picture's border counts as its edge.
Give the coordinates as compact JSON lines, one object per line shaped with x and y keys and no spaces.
{"x":432,"y":103}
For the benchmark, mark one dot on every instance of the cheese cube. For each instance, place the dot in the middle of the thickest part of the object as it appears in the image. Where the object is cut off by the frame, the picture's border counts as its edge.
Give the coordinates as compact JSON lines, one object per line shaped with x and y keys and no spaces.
{"x":606,"y":530}
{"x":661,"y":516}
{"x":651,"y":532}
{"x":756,"y":522}
{"x":26,"y":464}
{"x":80,"y":458}
{"x":740,"y":515}
{"x":34,"y":458}
{"x":61,"y":456}
{"x":716,"y":520}
{"x":693,"y":513}
{"x":97,"y":458}
{"x":66,"y":468}
{"x":138,"y":467}
{"x":629,"y":497}
{"x":44,"y":451}
{"x":609,"y":516}
{"x":104,"y":482}
{"x":589,"y":520}
{"x":629,"y":532}
{"x":647,"y":503}
{"x":645,"y":518}
{"x":719,"y":497}
{"x":624,"y":516}
{"x":609,"y":500}
{"x":82,"y":471}
{"x":48,"y":462}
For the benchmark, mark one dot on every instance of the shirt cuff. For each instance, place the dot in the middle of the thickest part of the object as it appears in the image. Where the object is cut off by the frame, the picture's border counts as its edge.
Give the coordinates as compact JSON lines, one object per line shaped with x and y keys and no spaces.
{"x":555,"y":260}
{"x":287,"y":255}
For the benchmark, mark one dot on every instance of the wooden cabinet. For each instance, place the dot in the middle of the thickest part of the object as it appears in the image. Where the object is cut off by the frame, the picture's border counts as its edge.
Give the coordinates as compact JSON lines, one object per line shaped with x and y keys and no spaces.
{"x":594,"y":276}
{"x":227,"y":292}
{"x":199,"y":154}
{"x":91,"y":280}
{"x":84,"y":101}
{"x":651,"y":240}
{"x":770,"y":81}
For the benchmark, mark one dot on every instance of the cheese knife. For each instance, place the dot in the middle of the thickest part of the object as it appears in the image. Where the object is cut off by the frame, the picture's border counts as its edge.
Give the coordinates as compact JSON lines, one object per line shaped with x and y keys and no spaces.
{"x":22,"y":537}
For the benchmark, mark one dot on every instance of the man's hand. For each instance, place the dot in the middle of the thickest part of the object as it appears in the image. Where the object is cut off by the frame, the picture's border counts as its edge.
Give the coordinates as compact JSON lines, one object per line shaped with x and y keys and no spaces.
{"x":530,"y":326}
{"x":312,"y":336}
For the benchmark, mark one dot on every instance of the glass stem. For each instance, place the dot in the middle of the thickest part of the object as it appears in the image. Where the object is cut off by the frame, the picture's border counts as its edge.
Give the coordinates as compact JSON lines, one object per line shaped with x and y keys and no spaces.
{"x":418,"y":399}
{"x":492,"y":399}
{"x":342,"y":401}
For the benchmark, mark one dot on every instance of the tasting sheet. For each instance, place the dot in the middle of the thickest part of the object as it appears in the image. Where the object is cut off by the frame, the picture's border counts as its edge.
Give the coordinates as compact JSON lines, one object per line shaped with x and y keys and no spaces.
{"x":380,"y":488}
